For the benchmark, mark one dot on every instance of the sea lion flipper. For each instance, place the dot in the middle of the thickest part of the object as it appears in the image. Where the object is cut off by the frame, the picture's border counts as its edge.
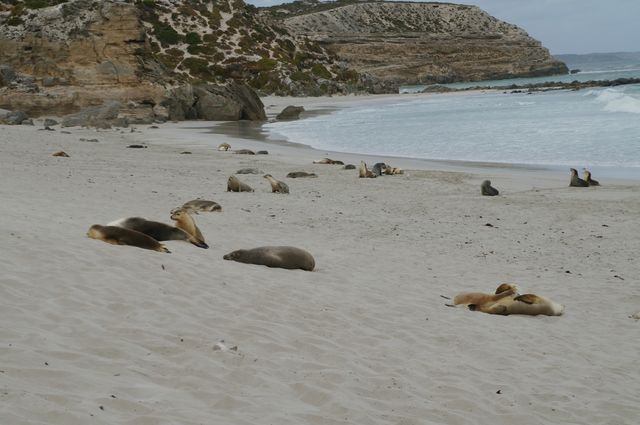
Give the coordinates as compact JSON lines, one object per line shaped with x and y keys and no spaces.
{"x":528,"y":298}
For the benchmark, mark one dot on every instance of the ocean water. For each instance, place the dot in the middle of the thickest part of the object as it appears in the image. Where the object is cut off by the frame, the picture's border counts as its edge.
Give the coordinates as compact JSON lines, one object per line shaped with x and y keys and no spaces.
{"x":596,"y":127}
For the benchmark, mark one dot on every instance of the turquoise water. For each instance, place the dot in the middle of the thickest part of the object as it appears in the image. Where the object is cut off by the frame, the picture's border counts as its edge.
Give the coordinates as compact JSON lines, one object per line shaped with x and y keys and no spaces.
{"x":588,"y":128}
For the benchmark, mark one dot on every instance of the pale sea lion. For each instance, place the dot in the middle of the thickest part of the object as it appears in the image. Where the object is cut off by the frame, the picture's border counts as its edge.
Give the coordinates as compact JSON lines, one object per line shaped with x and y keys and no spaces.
{"x":276,"y":185}
{"x":487,"y":190}
{"x":224,"y":146}
{"x":185,"y":222}
{"x":479,"y":298}
{"x":297,"y":174}
{"x":363,"y":171}
{"x":122,"y":236}
{"x":156,"y":230}
{"x":285,"y":257}
{"x":201,"y":205}
{"x":589,"y":180}
{"x":328,"y":161}
{"x":393,"y":171}
{"x":575,"y":180}
{"x":379,"y":168}
{"x":235,"y":185}
{"x":528,"y":304}
{"x":244,"y":152}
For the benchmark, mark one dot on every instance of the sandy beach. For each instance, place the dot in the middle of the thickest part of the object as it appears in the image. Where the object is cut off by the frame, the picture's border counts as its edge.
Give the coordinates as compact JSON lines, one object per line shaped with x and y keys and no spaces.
{"x":100,"y":334}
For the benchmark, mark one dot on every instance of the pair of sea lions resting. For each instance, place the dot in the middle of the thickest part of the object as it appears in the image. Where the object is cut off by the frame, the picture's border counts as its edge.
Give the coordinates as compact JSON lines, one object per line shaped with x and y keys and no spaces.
{"x":378,"y":170}
{"x":147,"y":234}
{"x":328,"y":161}
{"x":506,"y":301}
{"x":277,"y":186}
{"x":576,"y":181}
{"x":284,"y":257}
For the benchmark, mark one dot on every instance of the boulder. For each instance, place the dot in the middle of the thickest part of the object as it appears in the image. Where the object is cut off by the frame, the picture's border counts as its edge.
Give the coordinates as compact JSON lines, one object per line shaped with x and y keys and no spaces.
{"x":290,"y":113}
{"x":49,"y":122}
{"x":94,"y":116}
{"x":7,"y":75}
{"x":13,"y":118}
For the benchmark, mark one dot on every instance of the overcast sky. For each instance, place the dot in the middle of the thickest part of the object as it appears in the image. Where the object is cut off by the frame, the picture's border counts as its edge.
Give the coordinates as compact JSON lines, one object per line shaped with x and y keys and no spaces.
{"x":565,"y":26}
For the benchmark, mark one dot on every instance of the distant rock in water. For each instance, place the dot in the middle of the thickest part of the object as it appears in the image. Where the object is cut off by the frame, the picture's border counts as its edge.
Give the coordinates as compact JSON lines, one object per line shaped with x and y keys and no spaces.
{"x":290,"y":113}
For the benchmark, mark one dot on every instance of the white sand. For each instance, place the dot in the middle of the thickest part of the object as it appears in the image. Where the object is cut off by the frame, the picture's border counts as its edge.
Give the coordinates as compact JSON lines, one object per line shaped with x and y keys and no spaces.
{"x":99,"y":334}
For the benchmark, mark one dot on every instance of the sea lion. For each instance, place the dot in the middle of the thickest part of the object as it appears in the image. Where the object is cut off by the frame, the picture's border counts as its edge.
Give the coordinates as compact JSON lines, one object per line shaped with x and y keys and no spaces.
{"x":575,"y":180}
{"x":589,"y":180}
{"x":479,"y":298}
{"x":224,"y":146}
{"x":62,"y":154}
{"x":487,"y":190}
{"x":379,"y":168}
{"x":248,"y":171}
{"x":185,"y":222}
{"x":201,"y":205}
{"x":244,"y":152}
{"x":349,"y":167}
{"x":156,"y":230}
{"x":328,"y":161}
{"x":363,"y":171}
{"x":235,"y":185}
{"x":529,"y":304}
{"x":122,"y":236}
{"x":297,"y":174}
{"x":392,"y":171}
{"x":285,"y":257}
{"x":262,"y":153}
{"x":277,"y":185}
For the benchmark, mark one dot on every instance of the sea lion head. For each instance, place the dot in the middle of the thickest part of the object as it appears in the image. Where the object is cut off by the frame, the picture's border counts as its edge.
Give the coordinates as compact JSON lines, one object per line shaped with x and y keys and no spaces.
{"x":504,"y":287}
{"x":234,"y":255}
{"x":95,"y":231}
{"x":268,"y":176}
{"x":178,"y":213}
{"x":573,"y":171}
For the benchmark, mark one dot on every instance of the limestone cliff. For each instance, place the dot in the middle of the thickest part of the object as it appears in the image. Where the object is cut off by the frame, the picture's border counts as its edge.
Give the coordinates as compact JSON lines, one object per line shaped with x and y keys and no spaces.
{"x":414,"y":43}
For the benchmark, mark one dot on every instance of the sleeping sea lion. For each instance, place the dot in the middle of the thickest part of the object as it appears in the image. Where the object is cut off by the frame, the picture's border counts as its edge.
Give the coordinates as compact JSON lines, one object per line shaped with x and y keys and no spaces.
{"x":296,"y":174}
{"x":276,"y":185}
{"x":185,"y":222}
{"x":379,"y":168}
{"x":285,"y":257}
{"x":487,"y":190}
{"x":122,"y":236}
{"x":224,"y":146}
{"x":248,"y":171}
{"x":528,"y":304}
{"x":328,"y":161}
{"x":156,"y":230}
{"x":201,"y":205}
{"x":393,"y":171}
{"x":589,"y":180}
{"x":575,"y":180}
{"x":244,"y":152}
{"x":479,"y":298}
{"x":363,"y":171}
{"x":235,"y":185}
{"x":349,"y":167}
{"x":62,"y":154}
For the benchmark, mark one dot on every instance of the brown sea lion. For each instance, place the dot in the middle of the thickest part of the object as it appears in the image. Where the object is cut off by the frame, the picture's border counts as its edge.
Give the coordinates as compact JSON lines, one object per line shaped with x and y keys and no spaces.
{"x":589,"y":180}
{"x":487,"y":190}
{"x":201,"y":205}
{"x":285,"y":257}
{"x":62,"y":154}
{"x":328,"y":161}
{"x":297,"y":174}
{"x":363,"y":171}
{"x":235,"y":185}
{"x":479,"y":298}
{"x":575,"y":180}
{"x":156,"y":230}
{"x":224,"y":146}
{"x":122,"y":236}
{"x":185,"y":222}
{"x":528,"y":304}
{"x":244,"y":152}
{"x":276,"y":185}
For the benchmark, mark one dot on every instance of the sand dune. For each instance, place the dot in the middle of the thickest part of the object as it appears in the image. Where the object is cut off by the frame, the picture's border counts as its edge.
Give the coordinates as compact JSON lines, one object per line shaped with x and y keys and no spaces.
{"x":96,"y":333}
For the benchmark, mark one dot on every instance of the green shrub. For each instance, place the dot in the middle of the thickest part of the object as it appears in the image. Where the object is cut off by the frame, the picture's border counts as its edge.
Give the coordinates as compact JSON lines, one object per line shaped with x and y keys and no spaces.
{"x":166,"y":35}
{"x":320,"y":71}
{"x":193,"y":38}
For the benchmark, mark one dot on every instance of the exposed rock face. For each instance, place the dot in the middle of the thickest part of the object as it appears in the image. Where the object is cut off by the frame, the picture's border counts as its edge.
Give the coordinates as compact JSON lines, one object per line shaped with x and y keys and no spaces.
{"x":414,"y":43}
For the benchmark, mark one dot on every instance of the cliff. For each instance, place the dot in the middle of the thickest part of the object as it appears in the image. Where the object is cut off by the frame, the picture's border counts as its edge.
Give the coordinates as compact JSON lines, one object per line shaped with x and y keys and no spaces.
{"x":417,"y":43}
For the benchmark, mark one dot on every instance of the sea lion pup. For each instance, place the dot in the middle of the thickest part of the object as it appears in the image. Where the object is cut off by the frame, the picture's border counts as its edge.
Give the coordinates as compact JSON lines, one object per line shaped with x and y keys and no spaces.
{"x":201,"y":205}
{"x":156,"y":230}
{"x":379,"y":168}
{"x":122,"y":236}
{"x":284,"y":257}
{"x":478,"y":298}
{"x":235,"y":185}
{"x":224,"y":146}
{"x":363,"y":171}
{"x":244,"y":152}
{"x":487,"y":190}
{"x":276,"y":185}
{"x":575,"y":180}
{"x":297,"y":174}
{"x":529,"y":304}
{"x":589,"y":180}
{"x":328,"y":161}
{"x":185,"y":222}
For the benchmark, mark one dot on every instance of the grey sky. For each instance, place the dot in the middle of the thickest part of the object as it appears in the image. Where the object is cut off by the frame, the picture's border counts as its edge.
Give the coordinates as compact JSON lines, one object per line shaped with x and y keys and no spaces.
{"x":565,"y":26}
